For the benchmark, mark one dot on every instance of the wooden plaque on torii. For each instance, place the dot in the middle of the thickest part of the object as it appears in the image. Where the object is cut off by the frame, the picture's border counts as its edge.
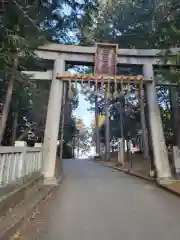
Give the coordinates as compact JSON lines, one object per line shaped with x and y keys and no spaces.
{"x":105,"y":59}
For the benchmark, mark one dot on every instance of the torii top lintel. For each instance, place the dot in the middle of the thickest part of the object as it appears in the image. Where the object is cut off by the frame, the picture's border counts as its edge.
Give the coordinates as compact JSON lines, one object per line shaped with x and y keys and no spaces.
{"x":89,"y":50}
{"x":85,"y":54}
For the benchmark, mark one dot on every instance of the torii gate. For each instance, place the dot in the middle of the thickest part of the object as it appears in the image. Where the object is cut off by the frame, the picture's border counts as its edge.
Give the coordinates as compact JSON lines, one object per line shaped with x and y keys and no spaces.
{"x":61,"y":54}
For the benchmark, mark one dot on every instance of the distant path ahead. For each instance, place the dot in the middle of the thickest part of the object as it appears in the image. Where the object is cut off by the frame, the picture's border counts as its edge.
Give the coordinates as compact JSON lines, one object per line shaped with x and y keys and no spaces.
{"x":97,"y":203}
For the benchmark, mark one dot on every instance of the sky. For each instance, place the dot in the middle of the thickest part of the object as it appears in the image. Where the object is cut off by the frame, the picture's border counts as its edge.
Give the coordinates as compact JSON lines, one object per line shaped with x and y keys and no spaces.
{"x":82,"y":111}
{"x":83,"y":106}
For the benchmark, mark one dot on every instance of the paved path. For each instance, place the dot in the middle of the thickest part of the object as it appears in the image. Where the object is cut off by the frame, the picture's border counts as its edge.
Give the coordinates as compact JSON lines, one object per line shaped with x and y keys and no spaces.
{"x":97,"y":203}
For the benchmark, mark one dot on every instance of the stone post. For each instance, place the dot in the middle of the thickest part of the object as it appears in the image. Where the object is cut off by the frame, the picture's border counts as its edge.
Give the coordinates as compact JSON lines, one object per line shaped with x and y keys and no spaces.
{"x":23,"y":164}
{"x":20,"y":144}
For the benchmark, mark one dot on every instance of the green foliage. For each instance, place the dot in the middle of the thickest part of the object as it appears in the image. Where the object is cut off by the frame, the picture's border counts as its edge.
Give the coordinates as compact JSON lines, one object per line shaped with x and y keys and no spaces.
{"x":83,"y":139}
{"x":24,"y":26}
{"x":136,"y":23}
{"x":19,"y":37}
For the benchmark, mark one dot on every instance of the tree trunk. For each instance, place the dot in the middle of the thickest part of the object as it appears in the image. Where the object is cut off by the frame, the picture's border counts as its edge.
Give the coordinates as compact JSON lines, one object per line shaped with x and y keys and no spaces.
{"x":150,"y":148}
{"x":97,"y":127}
{"x":64,"y":98}
{"x":73,"y":146}
{"x":175,"y":114}
{"x":14,"y":128}
{"x":7,"y":102}
{"x":25,"y":133}
{"x":145,"y":143}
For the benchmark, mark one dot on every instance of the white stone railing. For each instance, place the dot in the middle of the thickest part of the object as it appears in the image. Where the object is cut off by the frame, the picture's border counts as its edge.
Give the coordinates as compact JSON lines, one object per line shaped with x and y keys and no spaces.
{"x":18,"y":162}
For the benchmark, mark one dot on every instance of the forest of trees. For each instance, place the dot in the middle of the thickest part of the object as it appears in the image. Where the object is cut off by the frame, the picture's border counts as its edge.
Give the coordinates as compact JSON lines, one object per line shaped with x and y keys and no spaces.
{"x":139,"y":24}
{"x":26,"y":24}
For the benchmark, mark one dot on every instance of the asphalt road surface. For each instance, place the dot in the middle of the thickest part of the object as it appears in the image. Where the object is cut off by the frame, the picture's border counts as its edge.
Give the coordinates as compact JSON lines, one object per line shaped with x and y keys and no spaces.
{"x":98,"y":203}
